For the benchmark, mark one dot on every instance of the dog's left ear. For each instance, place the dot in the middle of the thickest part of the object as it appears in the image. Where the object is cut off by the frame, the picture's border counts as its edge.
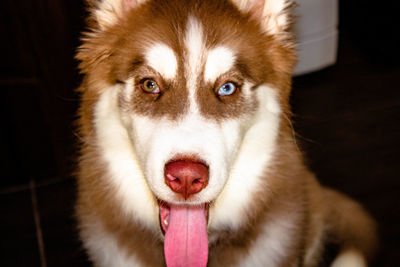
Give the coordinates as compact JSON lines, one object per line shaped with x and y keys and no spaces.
{"x":106,"y":13}
{"x":274,"y":15}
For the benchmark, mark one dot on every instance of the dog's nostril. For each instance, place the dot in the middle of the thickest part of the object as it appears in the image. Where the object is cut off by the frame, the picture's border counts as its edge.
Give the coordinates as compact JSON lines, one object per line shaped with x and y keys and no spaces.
{"x":186,"y":177}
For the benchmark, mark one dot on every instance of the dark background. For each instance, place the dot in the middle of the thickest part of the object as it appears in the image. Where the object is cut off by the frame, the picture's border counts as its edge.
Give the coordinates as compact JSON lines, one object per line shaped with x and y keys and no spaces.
{"x":347,"y":119}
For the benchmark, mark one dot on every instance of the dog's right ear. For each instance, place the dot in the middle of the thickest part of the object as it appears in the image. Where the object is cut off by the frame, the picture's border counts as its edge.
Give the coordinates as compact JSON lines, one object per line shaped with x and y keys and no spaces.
{"x":106,"y":13}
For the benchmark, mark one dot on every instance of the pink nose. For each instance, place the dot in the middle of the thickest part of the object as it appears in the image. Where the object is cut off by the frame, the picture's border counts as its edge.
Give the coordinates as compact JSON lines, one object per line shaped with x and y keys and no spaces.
{"x":186,"y":177}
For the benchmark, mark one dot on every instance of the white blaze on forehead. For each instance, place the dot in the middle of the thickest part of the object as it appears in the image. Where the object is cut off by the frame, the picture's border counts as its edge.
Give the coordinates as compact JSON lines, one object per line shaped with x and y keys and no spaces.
{"x":194,"y":58}
{"x":194,"y":45}
{"x":162,"y":59}
{"x":219,"y":61}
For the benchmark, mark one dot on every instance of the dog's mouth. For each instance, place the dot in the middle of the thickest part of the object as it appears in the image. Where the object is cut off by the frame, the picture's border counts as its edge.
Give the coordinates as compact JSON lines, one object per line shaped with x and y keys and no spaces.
{"x":185,"y":230}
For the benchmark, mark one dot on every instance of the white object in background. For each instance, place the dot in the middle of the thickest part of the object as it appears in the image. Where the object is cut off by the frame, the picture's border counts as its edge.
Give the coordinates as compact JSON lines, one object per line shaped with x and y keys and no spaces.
{"x":317,"y":34}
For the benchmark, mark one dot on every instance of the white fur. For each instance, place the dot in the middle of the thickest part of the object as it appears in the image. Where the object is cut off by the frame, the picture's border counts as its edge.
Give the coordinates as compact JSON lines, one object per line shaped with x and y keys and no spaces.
{"x":273,"y":242}
{"x":158,"y":141}
{"x":219,"y":60}
{"x":108,"y":12}
{"x":128,"y":90}
{"x":124,"y":172}
{"x":350,"y":258}
{"x":273,"y":17}
{"x":162,"y":59}
{"x":253,"y":159}
{"x":243,"y":145}
{"x":104,"y":248}
{"x":194,"y":43}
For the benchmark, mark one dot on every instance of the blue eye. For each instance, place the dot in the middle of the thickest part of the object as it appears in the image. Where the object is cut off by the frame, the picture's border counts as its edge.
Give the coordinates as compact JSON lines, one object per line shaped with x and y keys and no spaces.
{"x":227,"y":89}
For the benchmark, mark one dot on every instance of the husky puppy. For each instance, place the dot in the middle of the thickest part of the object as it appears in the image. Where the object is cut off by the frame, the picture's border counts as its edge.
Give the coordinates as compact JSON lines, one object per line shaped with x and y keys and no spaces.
{"x":187,"y":154}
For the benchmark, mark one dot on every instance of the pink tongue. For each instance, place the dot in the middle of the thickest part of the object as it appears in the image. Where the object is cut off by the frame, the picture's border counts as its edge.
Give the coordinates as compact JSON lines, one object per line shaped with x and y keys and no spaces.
{"x":186,"y":242}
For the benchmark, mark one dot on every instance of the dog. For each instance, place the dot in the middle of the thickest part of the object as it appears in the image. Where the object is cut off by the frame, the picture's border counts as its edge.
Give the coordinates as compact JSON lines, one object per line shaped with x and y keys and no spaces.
{"x":187,"y":152}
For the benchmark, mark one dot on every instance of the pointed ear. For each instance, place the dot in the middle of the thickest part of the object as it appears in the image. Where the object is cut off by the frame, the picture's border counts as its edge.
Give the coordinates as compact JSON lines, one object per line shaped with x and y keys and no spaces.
{"x":106,"y":13}
{"x":274,"y":15}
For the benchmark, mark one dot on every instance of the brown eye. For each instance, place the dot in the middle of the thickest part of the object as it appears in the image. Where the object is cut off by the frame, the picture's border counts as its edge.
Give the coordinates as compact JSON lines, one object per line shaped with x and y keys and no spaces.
{"x":150,"y":86}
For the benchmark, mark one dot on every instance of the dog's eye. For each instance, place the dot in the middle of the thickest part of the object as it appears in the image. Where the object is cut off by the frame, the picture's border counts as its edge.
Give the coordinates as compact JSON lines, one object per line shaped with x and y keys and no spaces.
{"x":227,"y":89}
{"x":150,"y":86}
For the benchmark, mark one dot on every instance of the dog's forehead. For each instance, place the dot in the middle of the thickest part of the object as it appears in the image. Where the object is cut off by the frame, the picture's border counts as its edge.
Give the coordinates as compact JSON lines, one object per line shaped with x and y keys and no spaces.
{"x":191,"y":51}
{"x":207,"y":37}
{"x":195,"y":53}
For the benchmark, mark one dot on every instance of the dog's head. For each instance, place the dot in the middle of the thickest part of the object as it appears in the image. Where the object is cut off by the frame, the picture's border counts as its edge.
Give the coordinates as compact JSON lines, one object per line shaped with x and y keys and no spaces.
{"x":190,"y":99}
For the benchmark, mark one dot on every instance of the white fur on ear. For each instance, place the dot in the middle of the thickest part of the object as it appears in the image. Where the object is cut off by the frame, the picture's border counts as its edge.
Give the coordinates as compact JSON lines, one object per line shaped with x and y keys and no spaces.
{"x":107,"y":12}
{"x":274,"y":15}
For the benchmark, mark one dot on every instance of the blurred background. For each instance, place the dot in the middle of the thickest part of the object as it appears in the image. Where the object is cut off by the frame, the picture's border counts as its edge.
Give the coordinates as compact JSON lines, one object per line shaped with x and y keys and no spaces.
{"x":346,"y":116}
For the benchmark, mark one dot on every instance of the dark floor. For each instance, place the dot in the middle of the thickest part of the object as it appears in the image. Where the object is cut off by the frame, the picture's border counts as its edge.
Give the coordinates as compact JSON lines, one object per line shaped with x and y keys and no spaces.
{"x":347,"y":118}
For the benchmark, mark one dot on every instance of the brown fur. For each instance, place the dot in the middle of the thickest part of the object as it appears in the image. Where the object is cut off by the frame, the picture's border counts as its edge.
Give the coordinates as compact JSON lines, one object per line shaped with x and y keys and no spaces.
{"x":112,"y":55}
{"x":349,"y":225}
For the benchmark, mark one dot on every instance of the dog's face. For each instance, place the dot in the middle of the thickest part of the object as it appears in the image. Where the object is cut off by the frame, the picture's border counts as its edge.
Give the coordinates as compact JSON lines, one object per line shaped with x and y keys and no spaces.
{"x":194,"y":87}
{"x":190,"y":94}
